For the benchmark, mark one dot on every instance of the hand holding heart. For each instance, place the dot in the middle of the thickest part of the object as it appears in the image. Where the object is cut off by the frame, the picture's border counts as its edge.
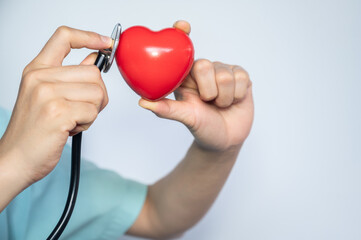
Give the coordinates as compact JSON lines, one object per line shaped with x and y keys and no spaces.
{"x":215,"y":102}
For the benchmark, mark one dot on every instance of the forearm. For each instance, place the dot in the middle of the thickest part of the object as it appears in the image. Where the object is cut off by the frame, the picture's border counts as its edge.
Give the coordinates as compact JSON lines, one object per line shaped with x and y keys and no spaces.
{"x":183,"y":197}
{"x":215,"y":103}
{"x":12,"y":179}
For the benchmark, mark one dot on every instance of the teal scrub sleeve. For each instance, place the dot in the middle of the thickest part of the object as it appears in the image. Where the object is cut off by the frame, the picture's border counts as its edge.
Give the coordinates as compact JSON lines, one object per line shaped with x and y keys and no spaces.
{"x":106,"y":207}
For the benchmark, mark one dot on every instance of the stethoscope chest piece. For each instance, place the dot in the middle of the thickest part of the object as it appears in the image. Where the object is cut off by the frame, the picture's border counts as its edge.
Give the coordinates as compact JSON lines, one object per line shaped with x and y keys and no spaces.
{"x":105,"y":57}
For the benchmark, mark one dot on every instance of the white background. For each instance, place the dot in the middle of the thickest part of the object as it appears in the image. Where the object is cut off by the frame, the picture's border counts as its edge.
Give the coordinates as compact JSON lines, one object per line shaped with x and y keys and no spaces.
{"x":298,"y":175}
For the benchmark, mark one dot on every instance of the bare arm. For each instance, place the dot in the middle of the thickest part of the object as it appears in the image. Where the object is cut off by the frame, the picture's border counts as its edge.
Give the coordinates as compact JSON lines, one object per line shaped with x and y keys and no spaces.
{"x":181,"y":199}
{"x":215,"y":103}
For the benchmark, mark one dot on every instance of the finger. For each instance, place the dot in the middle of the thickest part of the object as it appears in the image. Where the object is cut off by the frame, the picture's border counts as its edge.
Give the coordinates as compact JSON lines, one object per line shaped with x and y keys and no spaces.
{"x":90,"y":59}
{"x":72,"y":74}
{"x":225,"y":84}
{"x":171,"y":109}
{"x":203,"y":73}
{"x":66,"y":115}
{"x":82,"y":116}
{"x":80,"y":92}
{"x":242,"y":82}
{"x":183,"y":25}
{"x":189,"y":82}
{"x":66,"y":38}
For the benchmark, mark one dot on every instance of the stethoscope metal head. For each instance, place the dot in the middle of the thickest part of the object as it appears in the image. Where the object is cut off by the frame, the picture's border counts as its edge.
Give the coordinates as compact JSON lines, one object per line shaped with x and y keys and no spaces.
{"x":115,"y":36}
{"x":105,"y":57}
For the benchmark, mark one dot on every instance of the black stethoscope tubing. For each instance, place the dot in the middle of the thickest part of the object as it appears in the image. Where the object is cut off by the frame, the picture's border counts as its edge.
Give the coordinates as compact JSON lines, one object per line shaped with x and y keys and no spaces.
{"x":103,"y":62}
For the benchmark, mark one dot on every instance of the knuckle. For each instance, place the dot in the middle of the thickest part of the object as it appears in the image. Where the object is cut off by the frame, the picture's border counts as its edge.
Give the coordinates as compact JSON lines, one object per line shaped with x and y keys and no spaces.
{"x":43,"y":90}
{"x":224,"y":77}
{"x":94,"y":71}
{"x":240,"y":93}
{"x":241,"y":74}
{"x":67,"y":125}
{"x":221,"y":103}
{"x":106,"y":101}
{"x":30,"y":78}
{"x":208,"y":96}
{"x":63,"y":30}
{"x":26,"y":70}
{"x":241,"y":82}
{"x":31,"y":75}
{"x":202,"y":65}
{"x":54,"y":109}
{"x":93,"y":113}
{"x":219,"y":63}
{"x":85,"y":127}
{"x":98,"y":92}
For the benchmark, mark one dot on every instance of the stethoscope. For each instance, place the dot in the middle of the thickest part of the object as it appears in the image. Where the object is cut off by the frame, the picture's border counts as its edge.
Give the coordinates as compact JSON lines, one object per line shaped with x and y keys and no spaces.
{"x":104,"y":62}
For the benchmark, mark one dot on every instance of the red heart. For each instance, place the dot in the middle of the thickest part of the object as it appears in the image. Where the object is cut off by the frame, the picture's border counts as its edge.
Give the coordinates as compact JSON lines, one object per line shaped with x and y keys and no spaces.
{"x":154,"y":63}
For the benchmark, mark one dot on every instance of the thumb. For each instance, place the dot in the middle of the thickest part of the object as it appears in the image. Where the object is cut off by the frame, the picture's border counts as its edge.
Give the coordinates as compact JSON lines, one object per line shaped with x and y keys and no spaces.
{"x":183,"y":25}
{"x":170,"y":109}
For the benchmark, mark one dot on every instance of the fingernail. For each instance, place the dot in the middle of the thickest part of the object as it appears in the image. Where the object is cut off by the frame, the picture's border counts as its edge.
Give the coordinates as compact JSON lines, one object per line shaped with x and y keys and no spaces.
{"x":146,"y":104}
{"x":106,"y":39}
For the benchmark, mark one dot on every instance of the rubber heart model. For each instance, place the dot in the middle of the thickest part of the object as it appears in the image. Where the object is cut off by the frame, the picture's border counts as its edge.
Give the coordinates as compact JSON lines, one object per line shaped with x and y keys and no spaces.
{"x":154,"y":63}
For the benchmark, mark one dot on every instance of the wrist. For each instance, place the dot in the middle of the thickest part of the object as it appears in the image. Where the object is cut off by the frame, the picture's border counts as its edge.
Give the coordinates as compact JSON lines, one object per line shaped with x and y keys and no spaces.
{"x":12,"y":179}
{"x":224,"y":150}
{"x":225,"y":154}
{"x":12,"y":169}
